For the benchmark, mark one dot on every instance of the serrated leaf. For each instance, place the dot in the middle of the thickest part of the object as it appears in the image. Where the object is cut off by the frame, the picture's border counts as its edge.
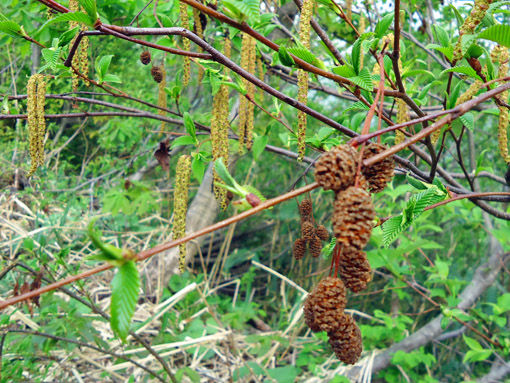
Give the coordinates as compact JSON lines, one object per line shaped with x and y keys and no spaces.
{"x":254,"y":190}
{"x":10,"y":28}
{"x":79,"y":17}
{"x":305,"y":55}
{"x":111,"y":252}
{"x":417,"y":184}
{"x":363,"y":79}
{"x":464,"y":69}
{"x":51,"y":56}
{"x":383,"y":25}
{"x":246,"y":9}
{"x":90,"y":7}
{"x":466,"y":41}
{"x":125,"y":290}
{"x":391,"y":229}
{"x":472,"y":343}
{"x":358,"y":105}
{"x":328,"y":249}
{"x":284,"y":56}
{"x":447,"y":51}
{"x":344,"y":70}
{"x":468,"y":120}
{"x":67,"y":36}
{"x":112,"y":78}
{"x":498,"y":33}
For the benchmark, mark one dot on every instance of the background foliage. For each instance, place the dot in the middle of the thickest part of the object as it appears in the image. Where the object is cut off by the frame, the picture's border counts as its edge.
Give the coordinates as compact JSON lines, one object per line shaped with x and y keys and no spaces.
{"x":229,"y":318}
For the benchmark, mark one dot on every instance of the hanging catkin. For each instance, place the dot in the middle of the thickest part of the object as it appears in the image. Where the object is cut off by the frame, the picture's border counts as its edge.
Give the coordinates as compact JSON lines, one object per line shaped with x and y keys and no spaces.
{"x":162,"y":98}
{"x":181,"y":204}
{"x":402,"y":116}
{"x":246,"y":108}
{"x":304,"y":38}
{"x":500,"y":54}
{"x":183,"y":14}
{"x":219,"y":131}
{"x":80,"y":59}
{"x":197,"y":23}
{"x":348,"y":9}
{"x":36,"y":98}
{"x":475,"y":17}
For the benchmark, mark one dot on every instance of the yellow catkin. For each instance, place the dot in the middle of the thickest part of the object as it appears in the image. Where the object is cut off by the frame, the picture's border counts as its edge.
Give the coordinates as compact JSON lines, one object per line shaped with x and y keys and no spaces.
{"x":260,"y":73}
{"x":80,"y":59}
{"x":468,"y":27}
{"x":250,"y":111}
{"x":361,"y":29}
{"x":304,"y":38}
{"x":402,"y":116}
{"x":162,"y":99}
{"x":36,"y":98}
{"x":183,"y":14}
{"x":501,"y":55}
{"x":248,"y":56}
{"x":348,"y":9}
{"x":219,"y":132}
{"x":200,"y":33}
{"x":182,"y":175}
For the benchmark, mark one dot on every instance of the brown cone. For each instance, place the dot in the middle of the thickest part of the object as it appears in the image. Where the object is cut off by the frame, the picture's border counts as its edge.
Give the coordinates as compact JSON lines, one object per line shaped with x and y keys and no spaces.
{"x":299,"y":248}
{"x":336,"y":169}
{"x":325,"y":304}
{"x":315,"y":246}
{"x":346,"y":340}
{"x":305,"y":208}
{"x":307,"y":230}
{"x":157,"y":73}
{"x":145,"y":57}
{"x":352,"y":217}
{"x":322,"y":232}
{"x":379,"y":174}
{"x":354,"y":269}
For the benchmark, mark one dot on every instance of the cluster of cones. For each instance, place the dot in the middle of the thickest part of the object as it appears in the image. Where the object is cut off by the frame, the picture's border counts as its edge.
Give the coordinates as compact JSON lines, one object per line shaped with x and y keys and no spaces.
{"x":352,"y":225}
{"x":311,"y":235}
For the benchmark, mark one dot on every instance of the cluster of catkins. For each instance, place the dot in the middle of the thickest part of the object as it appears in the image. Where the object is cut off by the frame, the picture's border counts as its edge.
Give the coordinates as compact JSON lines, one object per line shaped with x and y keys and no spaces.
{"x":352,"y":225}
{"x":311,"y":235}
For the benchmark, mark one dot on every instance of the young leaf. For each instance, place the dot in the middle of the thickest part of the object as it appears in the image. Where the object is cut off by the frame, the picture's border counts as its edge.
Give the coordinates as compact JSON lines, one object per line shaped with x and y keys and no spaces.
{"x":344,"y":71}
{"x":102,"y":66}
{"x":498,"y":33}
{"x":125,"y":290}
{"x":91,"y":9}
{"x":284,"y":56}
{"x":356,"y":55}
{"x":224,"y":174}
{"x":67,"y":36}
{"x":464,"y":69}
{"x":183,"y":141}
{"x":190,"y":126}
{"x":305,"y":55}
{"x":363,"y":80}
{"x":259,"y":144}
{"x":383,"y":25}
{"x":441,"y":35}
{"x":109,"y":252}
{"x":11,"y":28}
{"x":79,"y":17}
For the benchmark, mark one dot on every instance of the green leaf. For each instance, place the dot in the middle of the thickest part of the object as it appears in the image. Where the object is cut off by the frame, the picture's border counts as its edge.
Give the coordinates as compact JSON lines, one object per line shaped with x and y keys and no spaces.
{"x":344,"y":71}
{"x":383,"y":25}
{"x":477,"y":356}
{"x":284,"y":56}
{"x":447,"y":51}
{"x":242,"y":10}
{"x":67,"y":36}
{"x":305,"y":55}
{"x":391,"y":229}
{"x":327,"y":250}
{"x":51,"y":56}
{"x":109,"y":252}
{"x":112,"y":78}
{"x":441,"y":35}
{"x":79,"y":17}
{"x":472,"y":343}
{"x":224,"y":174}
{"x":417,"y":184}
{"x":466,"y":42}
{"x":125,"y":290}
{"x":102,"y":66}
{"x":363,"y":80}
{"x":464,"y":69}
{"x":259,"y":144}
{"x":498,"y":33}
{"x":91,"y":9}
{"x":11,"y":28}
{"x":356,"y":55}
{"x":190,"y":126}
{"x":198,"y":166}
{"x":183,"y":141}
{"x":468,"y":120}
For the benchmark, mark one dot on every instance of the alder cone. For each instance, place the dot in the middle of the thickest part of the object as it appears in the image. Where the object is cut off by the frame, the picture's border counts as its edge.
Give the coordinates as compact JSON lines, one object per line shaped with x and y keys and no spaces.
{"x":322,"y":232}
{"x":305,"y":208}
{"x":145,"y":57}
{"x":307,"y":230}
{"x":346,"y":340}
{"x":354,"y":269}
{"x":336,"y":169}
{"x":352,"y":217}
{"x":315,"y":246}
{"x":381,"y":173}
{"x":157,"y":73}
{"x":299,"y":248}
{"x":325,"y":304}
